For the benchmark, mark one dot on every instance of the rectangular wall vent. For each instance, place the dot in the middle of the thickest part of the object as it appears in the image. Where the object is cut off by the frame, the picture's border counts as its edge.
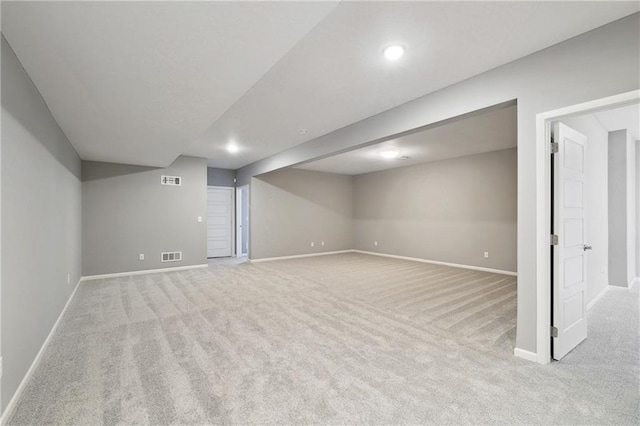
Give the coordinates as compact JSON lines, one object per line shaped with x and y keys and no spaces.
{"x":171,"y":256}
{"x":171,"y":180}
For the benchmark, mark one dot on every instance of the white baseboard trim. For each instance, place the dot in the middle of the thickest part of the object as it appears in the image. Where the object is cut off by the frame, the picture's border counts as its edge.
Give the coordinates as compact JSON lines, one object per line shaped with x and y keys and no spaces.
{"x":6,"y":414}
{"x":529,"y":356}
{"x":148,"y":271}
{"x":598,"y":297}
{"x":436,"y":262}
{"x":298,"y":256}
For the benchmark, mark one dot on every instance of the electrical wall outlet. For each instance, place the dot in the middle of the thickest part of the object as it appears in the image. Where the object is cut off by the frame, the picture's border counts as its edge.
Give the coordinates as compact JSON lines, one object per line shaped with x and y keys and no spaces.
{"x":141,"y":256}
{"x":322,"y":244}
{"x":313,"y":244}
{"x":375,"y":243}
{"x":486,"y":254}
{"x":199,"y":219}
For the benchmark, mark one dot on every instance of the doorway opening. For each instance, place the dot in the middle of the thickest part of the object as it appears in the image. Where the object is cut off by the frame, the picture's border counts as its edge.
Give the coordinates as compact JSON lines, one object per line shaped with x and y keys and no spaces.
{"x":562,"y":294}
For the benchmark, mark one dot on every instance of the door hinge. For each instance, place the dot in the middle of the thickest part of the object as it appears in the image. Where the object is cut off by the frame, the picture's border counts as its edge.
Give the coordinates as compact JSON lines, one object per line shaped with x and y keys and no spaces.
{"x":554,"y":240}
{"x":554,"y":331}
{"x":555,"y":147}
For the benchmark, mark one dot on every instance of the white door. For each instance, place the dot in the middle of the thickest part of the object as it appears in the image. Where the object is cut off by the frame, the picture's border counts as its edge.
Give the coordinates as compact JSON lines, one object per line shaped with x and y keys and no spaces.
{"x":219,"y":222}
{"x":569,"y":255}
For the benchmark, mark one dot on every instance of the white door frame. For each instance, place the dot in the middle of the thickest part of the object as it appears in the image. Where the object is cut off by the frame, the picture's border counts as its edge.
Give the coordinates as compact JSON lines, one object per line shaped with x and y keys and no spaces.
{"x":543,"y":210}
{"x":233,"y":216}
{"x":239,"y":230}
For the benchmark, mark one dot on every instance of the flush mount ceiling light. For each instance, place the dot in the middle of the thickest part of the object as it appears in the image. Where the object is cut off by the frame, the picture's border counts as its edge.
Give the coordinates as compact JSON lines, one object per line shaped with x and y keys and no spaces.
{"x":389,"y":153}
{"x":393,"y":52}
{"x":232,"y":148}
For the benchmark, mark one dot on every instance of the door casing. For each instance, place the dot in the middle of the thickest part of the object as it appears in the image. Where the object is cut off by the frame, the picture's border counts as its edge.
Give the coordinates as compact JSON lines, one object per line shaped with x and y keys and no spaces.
{"x":239,"y":229}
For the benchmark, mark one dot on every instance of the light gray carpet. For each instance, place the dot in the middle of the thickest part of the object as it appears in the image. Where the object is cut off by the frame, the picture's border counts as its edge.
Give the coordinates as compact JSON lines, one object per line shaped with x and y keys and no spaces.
{"x":226,"y":261}
{"x":346,"y":339}
{"x":477,"y":305}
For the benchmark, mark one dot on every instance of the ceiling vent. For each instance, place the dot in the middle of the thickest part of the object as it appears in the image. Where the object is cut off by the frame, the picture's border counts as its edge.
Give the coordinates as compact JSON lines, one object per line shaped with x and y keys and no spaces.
{"x":171,"y":180}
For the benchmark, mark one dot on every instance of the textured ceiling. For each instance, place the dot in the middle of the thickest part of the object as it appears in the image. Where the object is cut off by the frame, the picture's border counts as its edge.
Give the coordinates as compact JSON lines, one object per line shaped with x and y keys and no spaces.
{"x":486,"y":132}
{"x":143,"y":82}
{"x":137,"y":82}
{"x":337,"y":74}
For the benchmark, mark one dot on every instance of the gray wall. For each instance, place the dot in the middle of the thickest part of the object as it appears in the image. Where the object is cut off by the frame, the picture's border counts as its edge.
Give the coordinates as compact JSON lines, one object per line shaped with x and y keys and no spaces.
{"x":622,"y":215}
{"x":596,"y":200}
{"x":631,"y":210}
{"x":637,"y":209}
{"x":291,"y":208}
{"x":575,"y":71}
{"x":125,"y":212}
{"x":2,"y":44}
{"x":617,"y":208}
{"x":221,"y":177}
{"x":449,"y":211}
{"x":41,"y":216}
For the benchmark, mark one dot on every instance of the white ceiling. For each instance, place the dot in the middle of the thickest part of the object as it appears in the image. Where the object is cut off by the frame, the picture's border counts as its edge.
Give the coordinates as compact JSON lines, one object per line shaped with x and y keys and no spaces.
{"x":137,"y":82}
{"x":621,"y":118}
{"x":143,"y":82}
{"x":486,"y":132}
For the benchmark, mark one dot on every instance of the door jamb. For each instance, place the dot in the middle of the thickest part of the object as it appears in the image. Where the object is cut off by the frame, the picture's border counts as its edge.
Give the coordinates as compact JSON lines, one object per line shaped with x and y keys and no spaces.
{"x":543,"y":194}
{"x":239,"y":233}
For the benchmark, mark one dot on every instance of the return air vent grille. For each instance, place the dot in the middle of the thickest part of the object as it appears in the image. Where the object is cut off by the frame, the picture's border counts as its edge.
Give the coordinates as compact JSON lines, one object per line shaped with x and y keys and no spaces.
{"x":171,"y":256}
{"x":171,"y":180}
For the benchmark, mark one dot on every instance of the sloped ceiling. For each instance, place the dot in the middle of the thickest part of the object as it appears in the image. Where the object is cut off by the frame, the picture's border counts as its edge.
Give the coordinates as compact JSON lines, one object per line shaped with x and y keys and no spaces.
{"x":137,"y":82}
{"x":143,"y":82}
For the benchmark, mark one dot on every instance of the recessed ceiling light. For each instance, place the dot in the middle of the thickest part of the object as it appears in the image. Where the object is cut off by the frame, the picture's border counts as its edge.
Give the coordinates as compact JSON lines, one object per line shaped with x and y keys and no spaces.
{"x":233,"y":148}
{"x":393,"y":52}
{"x":389,"y":153}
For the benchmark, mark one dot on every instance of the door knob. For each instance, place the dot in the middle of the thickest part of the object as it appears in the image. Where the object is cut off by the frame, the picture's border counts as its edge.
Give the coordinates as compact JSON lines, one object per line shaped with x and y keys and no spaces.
{"x":586,"y":247}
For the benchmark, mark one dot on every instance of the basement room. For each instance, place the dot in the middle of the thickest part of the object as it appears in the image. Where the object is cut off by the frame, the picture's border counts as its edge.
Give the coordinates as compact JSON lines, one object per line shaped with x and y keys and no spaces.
{"x":328,"y":212}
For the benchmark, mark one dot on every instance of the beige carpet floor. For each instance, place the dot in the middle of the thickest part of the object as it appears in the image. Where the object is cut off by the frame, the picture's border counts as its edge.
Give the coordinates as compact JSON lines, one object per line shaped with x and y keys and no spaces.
{"x":477,"y":305}
{"x":345,"y":339}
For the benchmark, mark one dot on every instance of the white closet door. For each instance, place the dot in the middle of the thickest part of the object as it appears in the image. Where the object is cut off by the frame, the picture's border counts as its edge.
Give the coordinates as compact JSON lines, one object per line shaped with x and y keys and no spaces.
{"x":219,"y":222}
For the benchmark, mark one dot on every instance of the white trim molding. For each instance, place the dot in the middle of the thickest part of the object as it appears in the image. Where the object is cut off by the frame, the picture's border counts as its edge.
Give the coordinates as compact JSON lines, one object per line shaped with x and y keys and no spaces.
{"x":145,"y":272}
{"x":6,"y":414}
{"x":633,"y":283}
{"x":412,"y":259}
{"x":437,"y":262}
{"x":239,"y":230}
{"x":298,"y":256}
{"x":529,"y":356}
{"x":543,"y":207}
{"x":598,"y":297}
